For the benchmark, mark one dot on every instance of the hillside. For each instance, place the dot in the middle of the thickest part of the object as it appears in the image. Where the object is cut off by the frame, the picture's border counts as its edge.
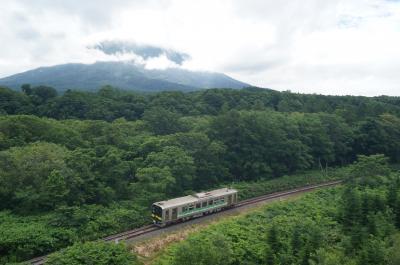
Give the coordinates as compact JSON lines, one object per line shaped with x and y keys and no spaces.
{"x":81,"y":165}
{"x":123,"y":75}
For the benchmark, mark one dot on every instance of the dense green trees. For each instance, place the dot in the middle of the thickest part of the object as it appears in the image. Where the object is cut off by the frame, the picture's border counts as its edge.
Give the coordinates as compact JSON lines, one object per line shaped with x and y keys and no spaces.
{"x":68,"y":158}
{"x":79,"y":162}
{"x":262,"y":144}
{"x":109,"y":103}
{"x":48,"y":163}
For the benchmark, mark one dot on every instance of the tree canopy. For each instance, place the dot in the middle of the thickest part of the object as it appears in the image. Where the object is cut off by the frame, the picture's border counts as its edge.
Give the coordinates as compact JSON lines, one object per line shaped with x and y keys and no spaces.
{"x":84,"y":164}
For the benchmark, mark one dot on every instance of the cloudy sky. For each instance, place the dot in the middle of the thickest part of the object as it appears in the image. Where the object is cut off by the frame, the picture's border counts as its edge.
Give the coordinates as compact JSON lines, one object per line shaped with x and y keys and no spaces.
{"x":308,"y":46}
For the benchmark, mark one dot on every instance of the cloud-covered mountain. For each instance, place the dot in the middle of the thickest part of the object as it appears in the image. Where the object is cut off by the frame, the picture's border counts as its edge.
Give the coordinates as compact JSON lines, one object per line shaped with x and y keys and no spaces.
{"x":123,"y":75}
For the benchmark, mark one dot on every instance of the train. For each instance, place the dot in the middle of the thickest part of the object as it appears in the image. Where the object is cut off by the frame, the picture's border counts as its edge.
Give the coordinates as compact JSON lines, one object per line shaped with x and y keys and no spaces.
{"x":184,"y":208}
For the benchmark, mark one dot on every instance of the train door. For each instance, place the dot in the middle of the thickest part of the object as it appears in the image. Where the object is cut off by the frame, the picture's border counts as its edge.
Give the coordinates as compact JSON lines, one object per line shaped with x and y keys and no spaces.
{"x":174,"y":214}
{"x":167,"y":215}
{"x":229,"y":199}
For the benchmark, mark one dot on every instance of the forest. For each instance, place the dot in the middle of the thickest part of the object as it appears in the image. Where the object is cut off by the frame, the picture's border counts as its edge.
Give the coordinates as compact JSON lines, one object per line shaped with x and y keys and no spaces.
{"x":81,"y":165}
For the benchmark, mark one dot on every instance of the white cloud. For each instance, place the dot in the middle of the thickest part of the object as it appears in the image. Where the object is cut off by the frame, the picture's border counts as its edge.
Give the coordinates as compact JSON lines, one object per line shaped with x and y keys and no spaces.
{"x":313,"y":46}
{"x":160,"y":62}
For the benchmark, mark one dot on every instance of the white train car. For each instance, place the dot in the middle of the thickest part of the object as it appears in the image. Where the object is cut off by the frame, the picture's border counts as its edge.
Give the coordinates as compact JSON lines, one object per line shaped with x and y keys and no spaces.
{"x":191,"y":206}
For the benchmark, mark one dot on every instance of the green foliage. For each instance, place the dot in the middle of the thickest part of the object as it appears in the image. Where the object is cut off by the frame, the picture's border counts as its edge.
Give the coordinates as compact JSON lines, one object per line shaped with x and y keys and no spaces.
{"x":207,"y":154}
{"x":86,"y":164}
{"x":331,"y":256}
{"x":379,"y":135}
{"x":367,"y":169}
{"x":12,"y":102}
{"x":31,"y":176}
{"x":274,"y":246}
{"x":41,"y":94}
{"x":260,"y":145}
{"x":110,"y":103}
{"x":21,"y":130}
{"x":100,"y":253}
{"x":162,"y":121}
{"x":178,"y":163}
{"x":93,"y":221}
{"x":153,"y":183}
{"x":215,"y":250}
{"x":373,"y":252}
{"x":24,"y":238}
{"x":394,"y":250}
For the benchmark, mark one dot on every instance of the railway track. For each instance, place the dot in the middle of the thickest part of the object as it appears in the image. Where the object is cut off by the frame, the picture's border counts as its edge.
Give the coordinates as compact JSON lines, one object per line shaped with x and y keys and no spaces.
{"x":150,"y":228}
{"x":285,"y":193}
{"x":132,"y":233}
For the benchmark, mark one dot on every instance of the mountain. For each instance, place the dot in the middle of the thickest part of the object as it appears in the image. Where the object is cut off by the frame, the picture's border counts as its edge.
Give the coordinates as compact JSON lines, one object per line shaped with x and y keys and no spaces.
{"x":123,"y":75}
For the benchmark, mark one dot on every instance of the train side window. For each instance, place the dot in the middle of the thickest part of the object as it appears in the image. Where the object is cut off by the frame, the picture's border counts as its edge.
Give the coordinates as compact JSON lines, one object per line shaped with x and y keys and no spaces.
{"x":204,"y":204}
{"x":198,"y":205}
{"x":222,"y":200}
{"x":210,"y":202}
{"x":184,"y":209}
{"x":191,"y":207}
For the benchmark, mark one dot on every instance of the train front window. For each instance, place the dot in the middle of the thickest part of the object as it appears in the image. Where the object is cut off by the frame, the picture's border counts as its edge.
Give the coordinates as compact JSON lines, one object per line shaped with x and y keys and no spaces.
{"x":156,"y":210}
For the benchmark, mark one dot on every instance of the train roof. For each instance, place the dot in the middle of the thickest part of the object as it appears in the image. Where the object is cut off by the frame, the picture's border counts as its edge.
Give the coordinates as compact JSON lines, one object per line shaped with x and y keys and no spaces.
{"x":195,"y":198}
{"x":215,"y":193}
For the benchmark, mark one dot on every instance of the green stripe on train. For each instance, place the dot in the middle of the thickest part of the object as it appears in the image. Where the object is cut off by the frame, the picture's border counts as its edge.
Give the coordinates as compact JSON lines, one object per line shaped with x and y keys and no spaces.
{"x":201,"y":209}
